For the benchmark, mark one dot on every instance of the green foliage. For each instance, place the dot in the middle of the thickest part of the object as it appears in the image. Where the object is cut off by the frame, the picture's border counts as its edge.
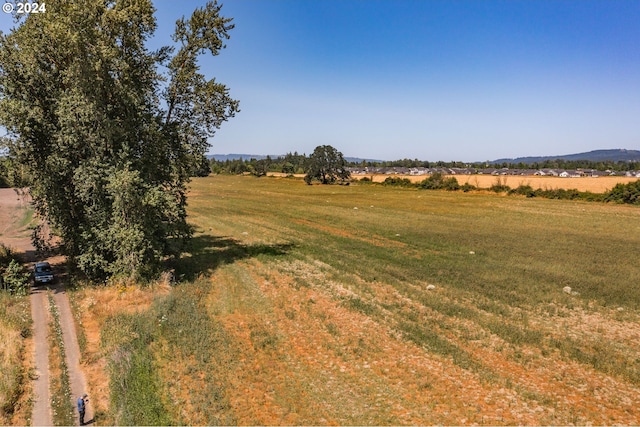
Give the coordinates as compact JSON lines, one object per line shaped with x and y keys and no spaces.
{"x":625,"y":193}
{"x":524,"y":190}
{"x":327,"y":165}
{"x":397,"y":182}
{"x":108,"y":149}
{"x":437,"y":181}
{"x":14,"y":278}
{"x":466,"y":187}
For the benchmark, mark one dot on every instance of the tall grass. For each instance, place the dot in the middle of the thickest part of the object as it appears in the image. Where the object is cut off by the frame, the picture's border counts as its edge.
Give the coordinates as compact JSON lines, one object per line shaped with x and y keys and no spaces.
{"x":15,"y":327}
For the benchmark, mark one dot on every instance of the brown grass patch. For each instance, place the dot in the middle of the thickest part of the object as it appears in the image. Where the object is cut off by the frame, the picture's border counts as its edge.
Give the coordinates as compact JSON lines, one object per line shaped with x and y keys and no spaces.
{"x":374,"y":240}
{"x":96,"y":304}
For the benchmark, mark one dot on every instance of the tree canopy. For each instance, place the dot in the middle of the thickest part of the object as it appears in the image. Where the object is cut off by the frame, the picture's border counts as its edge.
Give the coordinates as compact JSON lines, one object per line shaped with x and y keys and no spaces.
{"x":108,"y":130}
{"x":327,"y":165}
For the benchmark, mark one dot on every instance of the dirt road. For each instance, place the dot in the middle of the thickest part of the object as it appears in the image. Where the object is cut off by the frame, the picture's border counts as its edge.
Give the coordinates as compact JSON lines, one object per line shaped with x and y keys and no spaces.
{"x":13,"y":234}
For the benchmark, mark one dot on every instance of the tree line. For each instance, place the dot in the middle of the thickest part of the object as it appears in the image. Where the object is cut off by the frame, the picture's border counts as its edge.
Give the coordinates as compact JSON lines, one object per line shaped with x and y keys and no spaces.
{"x":294,"y":163}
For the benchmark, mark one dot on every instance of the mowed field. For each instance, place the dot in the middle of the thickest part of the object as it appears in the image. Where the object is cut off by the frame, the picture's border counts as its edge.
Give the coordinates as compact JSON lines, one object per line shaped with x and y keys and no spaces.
{"x":366,"y":304}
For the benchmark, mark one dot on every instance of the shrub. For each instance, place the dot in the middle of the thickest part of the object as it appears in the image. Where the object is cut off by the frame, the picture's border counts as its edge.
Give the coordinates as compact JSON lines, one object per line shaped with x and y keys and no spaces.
{"x":15,"y":278}
{"x":434,"y":182}
{"x":466,"y":187}
{"x":450,"y":184}
{"x":398,"y":182}
{"x":524,"y":190}
{"x":625,"y":193}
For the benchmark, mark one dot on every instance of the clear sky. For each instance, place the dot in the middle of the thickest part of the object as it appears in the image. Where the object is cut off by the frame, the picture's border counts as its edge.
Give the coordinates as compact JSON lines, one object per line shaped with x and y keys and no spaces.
{"x":435,"y":80}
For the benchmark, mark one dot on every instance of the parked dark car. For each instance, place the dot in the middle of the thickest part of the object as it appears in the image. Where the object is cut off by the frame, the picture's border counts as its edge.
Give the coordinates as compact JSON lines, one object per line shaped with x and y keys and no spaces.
{"x":42,"y":273}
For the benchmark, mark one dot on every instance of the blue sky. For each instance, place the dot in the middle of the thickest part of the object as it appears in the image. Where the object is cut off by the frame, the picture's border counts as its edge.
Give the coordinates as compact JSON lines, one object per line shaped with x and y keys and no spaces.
{"x":435,"y":80}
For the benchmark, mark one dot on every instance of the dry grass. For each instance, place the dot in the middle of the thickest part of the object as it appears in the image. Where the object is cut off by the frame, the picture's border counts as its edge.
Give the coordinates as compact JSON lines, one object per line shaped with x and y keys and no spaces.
{"x":15,"y":390}
{"x":593,"y":185}
{"x":95,"y":305}
{"x":309,"y":311}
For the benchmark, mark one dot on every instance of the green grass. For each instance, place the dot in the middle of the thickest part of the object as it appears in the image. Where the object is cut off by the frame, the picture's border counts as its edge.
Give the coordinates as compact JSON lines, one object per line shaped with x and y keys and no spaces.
{"x":502,"y":252}
{"x":499,"y":265}
{"x":524,"y":251}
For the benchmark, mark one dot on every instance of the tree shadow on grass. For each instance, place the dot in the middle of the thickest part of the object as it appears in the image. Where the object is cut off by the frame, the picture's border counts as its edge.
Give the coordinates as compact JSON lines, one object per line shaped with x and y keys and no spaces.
{"x":205,"y":253}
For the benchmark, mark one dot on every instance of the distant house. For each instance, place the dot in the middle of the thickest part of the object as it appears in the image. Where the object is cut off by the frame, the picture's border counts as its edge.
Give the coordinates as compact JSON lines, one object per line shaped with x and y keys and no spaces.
{"x":418,"y":171}
{"x":570,"y":174}
{"x":487,"y":171}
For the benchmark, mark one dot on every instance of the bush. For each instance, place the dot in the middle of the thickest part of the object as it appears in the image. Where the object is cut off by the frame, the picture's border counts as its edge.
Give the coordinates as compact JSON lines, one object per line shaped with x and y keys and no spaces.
{"x":398,"y":182}
{"x":15,"y":279}
{"x":625,"y":193}
{"x":434,"y":182}
{"x":524,"y":190}
{"x":450,"y":184}
{"x":466,"y":187}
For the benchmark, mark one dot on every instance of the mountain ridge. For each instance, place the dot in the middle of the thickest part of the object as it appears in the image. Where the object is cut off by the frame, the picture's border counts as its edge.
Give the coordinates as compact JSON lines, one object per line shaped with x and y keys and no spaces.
{"x":614,"y":155}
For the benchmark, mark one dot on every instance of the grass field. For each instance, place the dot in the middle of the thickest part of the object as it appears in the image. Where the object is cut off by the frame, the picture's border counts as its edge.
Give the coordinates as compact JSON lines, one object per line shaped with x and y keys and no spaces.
{"x":374,"y":305}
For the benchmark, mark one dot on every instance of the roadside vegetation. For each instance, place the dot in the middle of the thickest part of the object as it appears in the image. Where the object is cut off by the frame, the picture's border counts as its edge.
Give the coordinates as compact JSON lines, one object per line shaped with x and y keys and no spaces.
{"x":15,"y":328}
{"x":14,"y":277}
{"x":378,"y":305}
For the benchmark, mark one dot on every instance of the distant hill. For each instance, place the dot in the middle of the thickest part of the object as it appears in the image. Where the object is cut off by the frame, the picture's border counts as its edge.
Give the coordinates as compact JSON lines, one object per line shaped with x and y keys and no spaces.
{"x":617,"y":155}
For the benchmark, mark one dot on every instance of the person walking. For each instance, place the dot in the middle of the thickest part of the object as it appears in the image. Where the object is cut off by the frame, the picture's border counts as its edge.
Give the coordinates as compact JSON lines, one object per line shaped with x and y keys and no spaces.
{"x":82,"y":406}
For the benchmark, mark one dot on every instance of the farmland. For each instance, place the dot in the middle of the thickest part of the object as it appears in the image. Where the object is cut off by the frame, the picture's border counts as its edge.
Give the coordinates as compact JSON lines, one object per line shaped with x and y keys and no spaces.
{"x":366,"y":304}
{"x":592,"y":184}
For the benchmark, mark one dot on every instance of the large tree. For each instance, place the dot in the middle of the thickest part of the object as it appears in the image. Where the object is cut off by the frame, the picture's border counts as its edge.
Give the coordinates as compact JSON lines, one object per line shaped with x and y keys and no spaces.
{"x":109,"y":130}
{"x":326,"y":164}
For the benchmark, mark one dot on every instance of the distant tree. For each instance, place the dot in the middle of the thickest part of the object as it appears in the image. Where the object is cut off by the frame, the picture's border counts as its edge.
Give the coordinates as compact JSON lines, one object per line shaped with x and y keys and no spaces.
{"x":326,"y":165}
{"x":108,"y":141}
{"x":259,"y":167}
{"x":625,"y":193}
{"x":201,"y":166}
